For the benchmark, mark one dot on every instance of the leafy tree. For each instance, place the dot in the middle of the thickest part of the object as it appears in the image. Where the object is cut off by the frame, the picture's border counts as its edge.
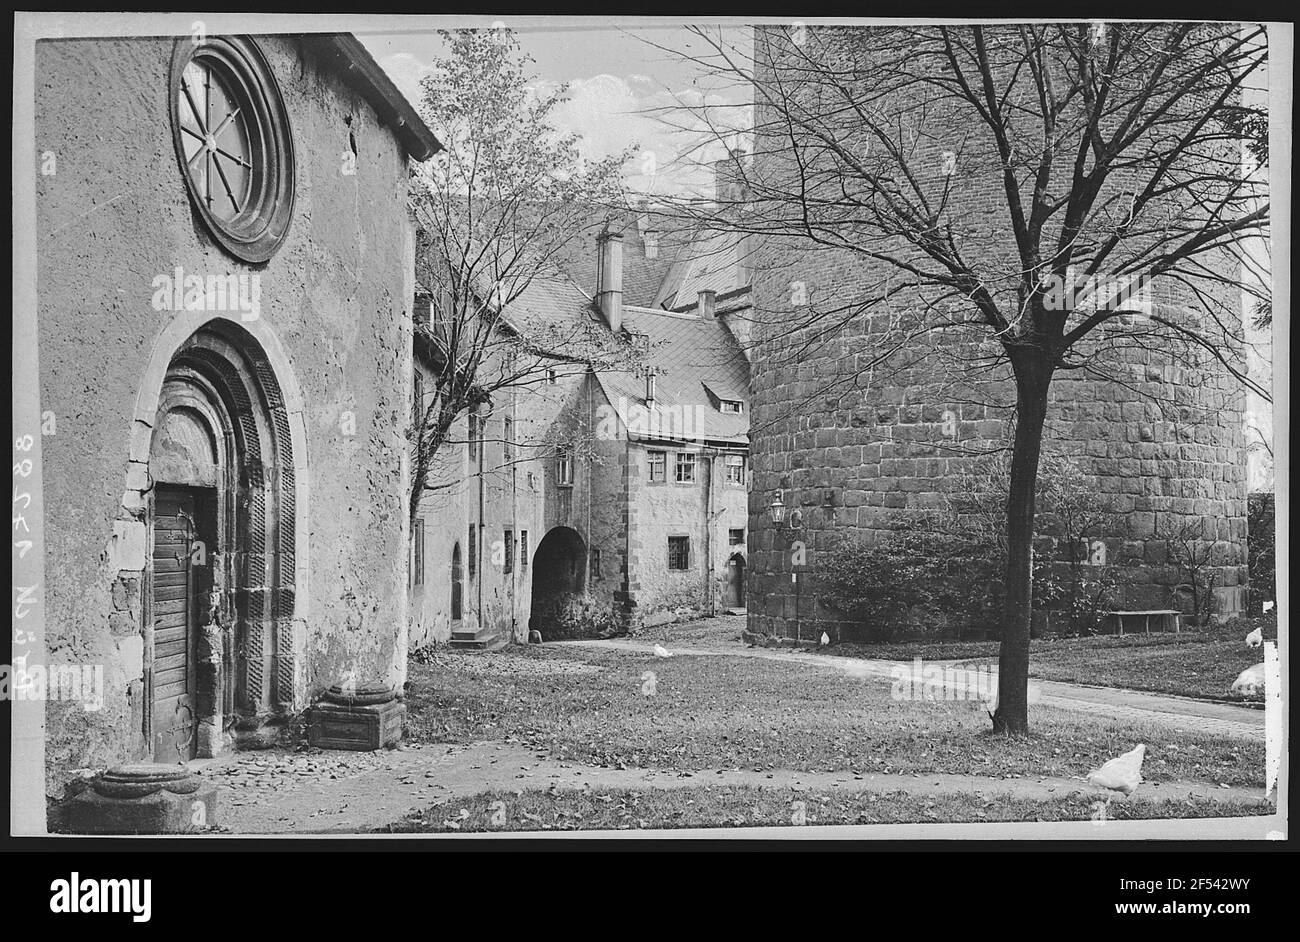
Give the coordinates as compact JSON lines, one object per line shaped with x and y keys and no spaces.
{"x":500,"y":206}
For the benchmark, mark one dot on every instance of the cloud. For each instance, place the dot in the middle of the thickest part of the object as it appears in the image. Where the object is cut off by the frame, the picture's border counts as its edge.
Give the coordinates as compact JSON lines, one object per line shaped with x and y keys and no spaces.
{"x":406,"y":71}
{"x":610,"y":113}
{"x":673,"y":140}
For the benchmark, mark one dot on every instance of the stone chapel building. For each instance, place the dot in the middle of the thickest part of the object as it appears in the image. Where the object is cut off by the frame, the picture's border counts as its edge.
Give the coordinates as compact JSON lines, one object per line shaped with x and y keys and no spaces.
{"x":225,"y":273}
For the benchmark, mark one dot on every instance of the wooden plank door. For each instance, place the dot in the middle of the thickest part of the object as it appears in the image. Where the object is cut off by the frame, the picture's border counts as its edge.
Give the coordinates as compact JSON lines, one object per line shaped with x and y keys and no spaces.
{"x":174,"y":716}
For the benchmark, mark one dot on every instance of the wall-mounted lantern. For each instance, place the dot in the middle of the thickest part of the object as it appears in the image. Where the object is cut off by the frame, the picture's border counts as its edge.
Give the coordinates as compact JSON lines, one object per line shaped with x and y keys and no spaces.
{"x":776,"y":509}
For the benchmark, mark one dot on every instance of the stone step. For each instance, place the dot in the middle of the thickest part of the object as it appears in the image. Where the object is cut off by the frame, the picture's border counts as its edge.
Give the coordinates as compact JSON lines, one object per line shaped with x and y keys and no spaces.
{"x":477,"y":641}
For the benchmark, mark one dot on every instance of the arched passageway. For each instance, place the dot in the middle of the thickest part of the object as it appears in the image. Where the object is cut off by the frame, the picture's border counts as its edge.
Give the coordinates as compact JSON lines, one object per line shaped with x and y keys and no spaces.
{"x":559,"y":574}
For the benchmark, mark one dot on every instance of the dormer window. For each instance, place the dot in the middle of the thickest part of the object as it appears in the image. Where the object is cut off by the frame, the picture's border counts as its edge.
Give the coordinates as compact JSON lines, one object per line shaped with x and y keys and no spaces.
{"x":729,"y":405}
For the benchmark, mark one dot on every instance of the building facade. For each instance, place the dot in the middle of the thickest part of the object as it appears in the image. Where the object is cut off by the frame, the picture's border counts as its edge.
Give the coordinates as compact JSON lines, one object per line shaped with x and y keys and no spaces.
{"x":225,"y":348}
{"x":626,"y":487}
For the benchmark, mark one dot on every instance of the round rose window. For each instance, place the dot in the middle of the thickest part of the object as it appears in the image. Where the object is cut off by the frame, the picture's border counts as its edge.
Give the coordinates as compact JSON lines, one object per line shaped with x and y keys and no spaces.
{"x":233,"y":143}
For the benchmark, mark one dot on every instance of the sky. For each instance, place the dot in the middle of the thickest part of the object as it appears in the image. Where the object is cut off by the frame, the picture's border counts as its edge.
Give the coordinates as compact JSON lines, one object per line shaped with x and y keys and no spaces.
{"x":617,"y":78}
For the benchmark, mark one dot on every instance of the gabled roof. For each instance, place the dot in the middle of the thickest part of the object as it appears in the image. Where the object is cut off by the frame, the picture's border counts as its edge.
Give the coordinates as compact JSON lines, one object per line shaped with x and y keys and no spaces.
{"x":711,"y":262}
{"x":689,"y":354}
{"x":642,"y":276}
{"x":555,"y":316}
{"x":345,"y":54}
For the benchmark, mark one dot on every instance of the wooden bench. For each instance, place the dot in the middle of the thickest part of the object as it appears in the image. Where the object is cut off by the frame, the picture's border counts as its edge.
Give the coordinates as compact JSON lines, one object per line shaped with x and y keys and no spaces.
{"x":1166,"y":617}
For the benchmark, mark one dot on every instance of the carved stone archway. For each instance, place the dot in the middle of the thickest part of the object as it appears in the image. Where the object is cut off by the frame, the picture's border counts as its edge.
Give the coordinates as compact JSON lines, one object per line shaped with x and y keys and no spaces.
{"x":223,"y":432}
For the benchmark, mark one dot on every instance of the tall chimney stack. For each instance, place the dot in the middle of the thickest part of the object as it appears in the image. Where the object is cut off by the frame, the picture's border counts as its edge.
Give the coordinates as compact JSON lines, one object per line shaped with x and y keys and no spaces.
{"x":609,"y":278}
{"x":729,"y":189}
{"x":707,"y":303}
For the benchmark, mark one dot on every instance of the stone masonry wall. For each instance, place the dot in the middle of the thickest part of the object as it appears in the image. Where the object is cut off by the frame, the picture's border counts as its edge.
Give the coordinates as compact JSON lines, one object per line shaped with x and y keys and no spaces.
{"x":859,"y":448}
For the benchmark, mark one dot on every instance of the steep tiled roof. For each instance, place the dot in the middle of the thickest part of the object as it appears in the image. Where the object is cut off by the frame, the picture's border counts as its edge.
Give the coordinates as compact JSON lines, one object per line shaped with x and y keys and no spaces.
{"x":642,"y":276}
{"x":711,"y":263}
{"x":687,"y":353}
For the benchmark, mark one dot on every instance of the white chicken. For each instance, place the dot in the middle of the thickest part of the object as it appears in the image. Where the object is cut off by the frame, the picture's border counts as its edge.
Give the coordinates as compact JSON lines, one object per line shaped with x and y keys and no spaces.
{"x":1250,"y":682}
{"x":1255,"y":639}
{"x":1122,"y":774}
{"x":661,"y":651}
{"x":826,"y":639}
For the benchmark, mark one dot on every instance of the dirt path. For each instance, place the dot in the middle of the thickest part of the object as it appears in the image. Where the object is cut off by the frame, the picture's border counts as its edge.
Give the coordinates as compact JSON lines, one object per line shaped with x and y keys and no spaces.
{"x":1176,"y":713}
{"x":339,"y":792}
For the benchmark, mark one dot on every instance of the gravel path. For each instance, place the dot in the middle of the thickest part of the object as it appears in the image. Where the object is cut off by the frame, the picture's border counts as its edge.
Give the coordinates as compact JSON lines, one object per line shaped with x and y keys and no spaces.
{"x":1176,"y":713}
{"x":355,"y":792}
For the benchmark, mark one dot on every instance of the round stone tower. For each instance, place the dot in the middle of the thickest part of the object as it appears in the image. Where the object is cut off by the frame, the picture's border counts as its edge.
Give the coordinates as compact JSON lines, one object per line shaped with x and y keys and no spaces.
{"x":853,"y":434}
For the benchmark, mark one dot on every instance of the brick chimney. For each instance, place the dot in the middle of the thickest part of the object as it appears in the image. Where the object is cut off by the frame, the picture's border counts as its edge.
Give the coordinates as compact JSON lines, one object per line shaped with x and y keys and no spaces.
{"x":423,"y":308}
{"x":609,"y":278}
{"x":729,"y":181}
{"x":707,"y":303}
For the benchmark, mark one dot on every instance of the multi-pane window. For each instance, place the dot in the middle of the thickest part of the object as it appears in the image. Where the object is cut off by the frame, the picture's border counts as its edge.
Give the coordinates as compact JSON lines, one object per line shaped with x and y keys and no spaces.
{"x":658,"y":466}
{"x":729,"y":405}
{"x":472,"y":543}
{"x":595,"y":563}
{"x":564,"y":467}
{"x":685,"y":467}
{"x":523,"y":550}
{"x":552,"y":376}
{"x":735,"y":469}
{"x":417,"y":560}
{"x":679,"y":552}
{"x":508,"y":439}
{"x":510,"y":551}
{"x":474,"y":431}
{"x":736,"y":537}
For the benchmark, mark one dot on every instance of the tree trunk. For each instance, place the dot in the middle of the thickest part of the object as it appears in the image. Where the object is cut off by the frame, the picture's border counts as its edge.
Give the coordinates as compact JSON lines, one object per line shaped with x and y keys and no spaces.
{"x":1033,"y":373}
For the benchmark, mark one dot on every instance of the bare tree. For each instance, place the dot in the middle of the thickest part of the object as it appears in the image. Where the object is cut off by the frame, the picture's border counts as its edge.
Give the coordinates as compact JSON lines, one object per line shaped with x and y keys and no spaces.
{"x":1027,"y":200}
{"x":506,"y":200}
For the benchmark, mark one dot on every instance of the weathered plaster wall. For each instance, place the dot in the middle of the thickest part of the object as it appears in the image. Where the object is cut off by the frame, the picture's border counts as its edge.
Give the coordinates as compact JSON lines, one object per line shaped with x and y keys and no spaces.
{"x":659,"y":510}
{"x":115,"y":216}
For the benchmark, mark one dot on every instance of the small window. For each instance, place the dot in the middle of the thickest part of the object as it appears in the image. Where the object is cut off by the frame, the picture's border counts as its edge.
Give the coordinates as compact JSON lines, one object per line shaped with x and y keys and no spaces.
{"x":658,"y":466}
{"x":523,"y":550}
{"x":552,"y":376}
{"x":475,"y":427}
{"x":735,"y":469}
{"x":736,"y":537}
{"x":729,"y":405}
{"x":679,"y":552}
{"x":508,"y":439}
{"x":417,"y":571}
{"x":595,"y":563}
{"x":472,"y":543}
{"x":564,"y":467}
{"x":685,"y":467}
{"x":457,"y":586}
{"x":417,"y":401}
{"x":509,"y":565}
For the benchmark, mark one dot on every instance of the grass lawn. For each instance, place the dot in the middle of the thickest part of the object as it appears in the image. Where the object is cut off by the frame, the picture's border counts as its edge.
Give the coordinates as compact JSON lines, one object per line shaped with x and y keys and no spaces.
{"x":1190,"y":663}
{"x":752,"y":806}
{"x":712,"y":712}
